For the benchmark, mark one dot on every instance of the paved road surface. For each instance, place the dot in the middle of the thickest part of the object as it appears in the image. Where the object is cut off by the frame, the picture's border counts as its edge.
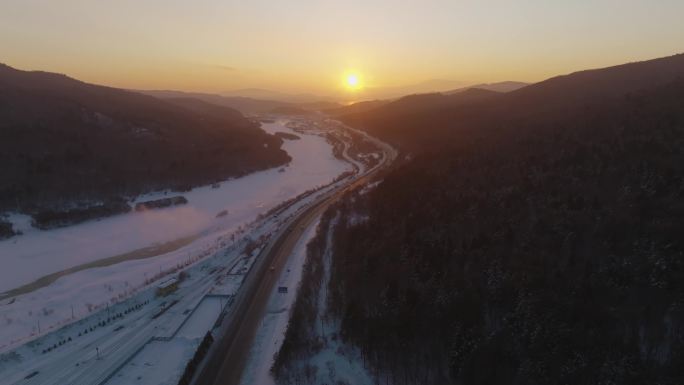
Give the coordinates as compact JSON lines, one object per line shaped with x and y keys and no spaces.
{"x":226,"y":359}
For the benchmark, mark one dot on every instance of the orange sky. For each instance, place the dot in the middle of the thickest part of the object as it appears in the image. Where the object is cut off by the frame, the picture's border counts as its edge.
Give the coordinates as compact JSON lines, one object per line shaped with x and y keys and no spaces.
{"x":308,"y":45}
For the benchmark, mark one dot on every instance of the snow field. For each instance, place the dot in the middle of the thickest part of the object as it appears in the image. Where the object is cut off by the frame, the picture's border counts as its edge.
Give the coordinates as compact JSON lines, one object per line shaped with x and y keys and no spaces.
{"x":37,"y":253}
{"x":208,"y":259}
{"x":162,"y":362}
{"x":42,"y":252}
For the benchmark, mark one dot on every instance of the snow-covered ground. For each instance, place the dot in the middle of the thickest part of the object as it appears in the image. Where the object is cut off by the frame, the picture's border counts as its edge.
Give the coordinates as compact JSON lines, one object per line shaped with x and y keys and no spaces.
{"x":161,"y":362}
{"x":203,"y":318}
{"x":37,"y":253}
{"x":122,"y":329}
{"x":335,"y":362}
{"x":51,"y":335}
{"x":271,"y":332}
{"x":156,"y":364}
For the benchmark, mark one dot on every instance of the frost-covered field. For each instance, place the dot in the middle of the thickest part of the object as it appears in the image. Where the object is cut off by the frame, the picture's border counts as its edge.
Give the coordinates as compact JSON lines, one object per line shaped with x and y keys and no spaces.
{"x":37,"y":253}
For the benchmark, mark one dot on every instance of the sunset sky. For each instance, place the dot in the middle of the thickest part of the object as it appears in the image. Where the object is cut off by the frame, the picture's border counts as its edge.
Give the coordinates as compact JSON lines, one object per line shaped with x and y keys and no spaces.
{"x":310,"y":45}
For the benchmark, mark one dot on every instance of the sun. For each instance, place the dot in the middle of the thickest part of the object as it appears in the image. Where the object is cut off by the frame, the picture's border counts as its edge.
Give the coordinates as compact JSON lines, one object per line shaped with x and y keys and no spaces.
{"x":352,"y":81}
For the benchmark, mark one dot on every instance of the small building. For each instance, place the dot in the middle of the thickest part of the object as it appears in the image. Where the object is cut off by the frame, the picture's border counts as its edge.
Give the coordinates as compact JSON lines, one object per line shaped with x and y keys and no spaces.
{"x":282,"y":289}
{"x":167,"y":287}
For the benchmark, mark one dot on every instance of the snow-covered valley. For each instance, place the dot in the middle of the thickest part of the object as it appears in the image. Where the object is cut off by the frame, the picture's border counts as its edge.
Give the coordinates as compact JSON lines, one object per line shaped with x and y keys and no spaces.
{"x":108,"y":320}
{"x":38,"y":253}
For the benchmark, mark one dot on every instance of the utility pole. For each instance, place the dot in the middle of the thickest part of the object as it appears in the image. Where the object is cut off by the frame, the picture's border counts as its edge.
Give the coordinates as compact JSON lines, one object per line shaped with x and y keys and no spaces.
{"x":72,"y":311}
{"x":38,"y":326}
{"x":97,"y":350}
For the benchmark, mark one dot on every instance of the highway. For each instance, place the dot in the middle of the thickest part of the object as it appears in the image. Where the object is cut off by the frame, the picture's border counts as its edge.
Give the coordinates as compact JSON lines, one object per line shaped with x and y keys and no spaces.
{"x":94,"y":358}
{"x":227,"y":357}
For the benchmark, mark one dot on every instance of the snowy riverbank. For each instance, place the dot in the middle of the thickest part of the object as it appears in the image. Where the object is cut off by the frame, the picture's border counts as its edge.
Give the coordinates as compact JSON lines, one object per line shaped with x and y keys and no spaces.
{"x":37,"y":253}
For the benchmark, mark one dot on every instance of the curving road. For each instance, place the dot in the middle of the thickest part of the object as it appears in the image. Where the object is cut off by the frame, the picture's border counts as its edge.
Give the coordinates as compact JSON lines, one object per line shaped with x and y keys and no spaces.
{"x":227,"y":357}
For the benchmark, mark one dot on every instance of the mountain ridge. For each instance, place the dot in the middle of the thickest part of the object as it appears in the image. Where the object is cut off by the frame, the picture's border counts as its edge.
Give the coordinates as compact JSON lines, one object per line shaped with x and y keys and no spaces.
{"x":529,"y":238}
{"x":552,"y":97}
{"x":61,"y":140}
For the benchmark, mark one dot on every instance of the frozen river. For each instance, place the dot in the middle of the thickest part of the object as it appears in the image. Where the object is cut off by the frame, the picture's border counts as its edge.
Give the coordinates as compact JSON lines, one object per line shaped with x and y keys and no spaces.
{"x":37,"y":253}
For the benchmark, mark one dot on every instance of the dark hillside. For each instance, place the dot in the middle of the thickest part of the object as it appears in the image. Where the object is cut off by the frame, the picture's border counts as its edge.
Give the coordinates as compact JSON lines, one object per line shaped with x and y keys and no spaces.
{"x":506,"y":86}
{"x":65,"y":142}
{"x":528,"y":251}
{"x":243,"y":104}
{"x":356,"y":107}
{"x":591,"y":86}
{"x":207,"y":110}
{"x":430,"y":114}
{"x":415,"y":126}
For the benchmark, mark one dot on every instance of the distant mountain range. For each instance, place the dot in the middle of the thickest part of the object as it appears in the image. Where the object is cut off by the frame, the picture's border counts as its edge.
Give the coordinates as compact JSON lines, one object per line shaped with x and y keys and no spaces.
{"x":246,"y":105}
{"x":368,"y":93}
{"x":264,"y":94}
{"x":412,"y":104}
{"x":357,"y":107}
{"x":507,"y":86}
{"x":467,"y":93}
{"x":66,"y":142}
{"x":392,"y":92}
{"x":547,"y":98}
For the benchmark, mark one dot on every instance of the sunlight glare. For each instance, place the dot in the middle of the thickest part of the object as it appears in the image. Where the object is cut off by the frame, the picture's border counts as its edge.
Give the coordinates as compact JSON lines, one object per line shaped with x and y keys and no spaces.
{"x":352,"y":81}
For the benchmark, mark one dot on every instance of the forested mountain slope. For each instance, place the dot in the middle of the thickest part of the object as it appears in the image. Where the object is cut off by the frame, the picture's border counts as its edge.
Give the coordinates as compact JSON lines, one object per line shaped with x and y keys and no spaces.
{"x":65,"y":142}
{"x":399,"y":120}
{"x":413,"y":124}
{"x":541,"y":245}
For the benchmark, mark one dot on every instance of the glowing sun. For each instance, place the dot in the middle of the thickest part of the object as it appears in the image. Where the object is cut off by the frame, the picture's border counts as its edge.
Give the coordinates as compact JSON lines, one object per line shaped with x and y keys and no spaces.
{"x":352,"y":81}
